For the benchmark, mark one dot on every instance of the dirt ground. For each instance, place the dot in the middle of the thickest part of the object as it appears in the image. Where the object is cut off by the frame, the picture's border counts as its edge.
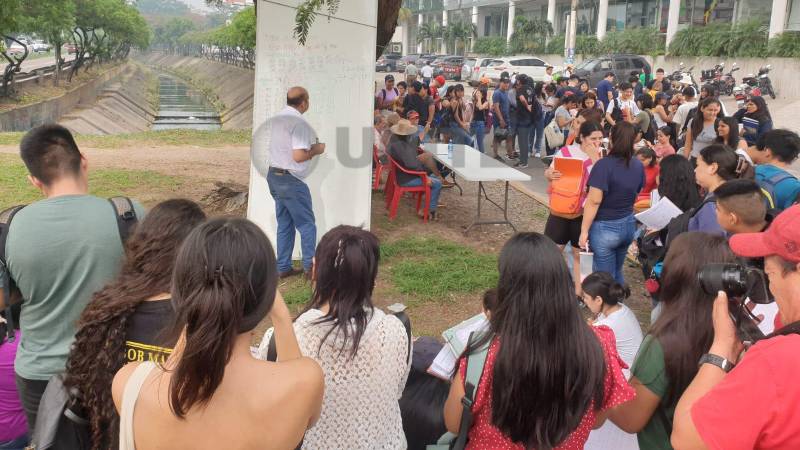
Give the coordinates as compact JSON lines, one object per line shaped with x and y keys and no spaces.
{"x":199,"y":169}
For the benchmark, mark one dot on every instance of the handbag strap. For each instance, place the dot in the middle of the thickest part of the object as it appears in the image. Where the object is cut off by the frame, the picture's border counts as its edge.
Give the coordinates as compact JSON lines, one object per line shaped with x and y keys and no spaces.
{"x":474,"y":370}
{"x":129,"y":397}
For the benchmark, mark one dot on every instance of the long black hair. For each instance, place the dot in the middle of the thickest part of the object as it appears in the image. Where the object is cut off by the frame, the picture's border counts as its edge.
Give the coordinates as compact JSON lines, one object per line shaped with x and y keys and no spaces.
{"x":224,"y":284}
{"x":733,"y":138}
{"x":726,"y":159}
{"x":550,"y":366}
{"x":762,"y":114}
{"x":677,"y":182}
{"x":603,"y":285}
{"x":623,"y":135}
{"x":697,"y":121}
{"x":346,"y":265}
{"x":684,"y":329}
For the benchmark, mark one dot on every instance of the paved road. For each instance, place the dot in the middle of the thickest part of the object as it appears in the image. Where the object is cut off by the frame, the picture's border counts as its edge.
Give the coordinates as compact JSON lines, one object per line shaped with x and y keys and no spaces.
{"x":32,"y":64}
{"x":785,"y":114}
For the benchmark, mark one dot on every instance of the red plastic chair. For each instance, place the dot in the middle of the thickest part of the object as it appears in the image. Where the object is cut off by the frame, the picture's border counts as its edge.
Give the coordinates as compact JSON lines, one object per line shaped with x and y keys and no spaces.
{"x":420,"y":192}
{"x":379,"y":168}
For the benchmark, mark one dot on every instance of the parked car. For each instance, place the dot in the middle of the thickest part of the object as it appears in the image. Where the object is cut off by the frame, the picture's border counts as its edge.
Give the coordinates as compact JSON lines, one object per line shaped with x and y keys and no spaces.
{"x":388,"y":63}
{"x":466,"y":69}
{"x":69,"y":49}
{"x":529,"y":65}
{"x":426,"y":59}
{"x":449,"y":67}
{"x":15,"y":49}
{"x":595,"y":69}
{"x":40,"y":46}
{"x":478,"y":70}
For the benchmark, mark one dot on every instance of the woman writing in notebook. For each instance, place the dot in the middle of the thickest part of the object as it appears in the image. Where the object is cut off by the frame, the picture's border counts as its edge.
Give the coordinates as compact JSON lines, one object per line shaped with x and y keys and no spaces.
{"x":566,"y":208}
{"x":211,"y":393}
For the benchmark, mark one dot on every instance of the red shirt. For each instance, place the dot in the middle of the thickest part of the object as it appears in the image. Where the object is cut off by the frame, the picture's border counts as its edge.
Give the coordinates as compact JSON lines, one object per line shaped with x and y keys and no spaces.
{"x":484,"y":435}
{"x":650,"y":174}
{"x":756,"y":405}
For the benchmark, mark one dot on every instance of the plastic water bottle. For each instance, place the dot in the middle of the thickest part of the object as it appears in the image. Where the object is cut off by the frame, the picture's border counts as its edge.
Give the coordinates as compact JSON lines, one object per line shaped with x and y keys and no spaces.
{"x":450,"y":149}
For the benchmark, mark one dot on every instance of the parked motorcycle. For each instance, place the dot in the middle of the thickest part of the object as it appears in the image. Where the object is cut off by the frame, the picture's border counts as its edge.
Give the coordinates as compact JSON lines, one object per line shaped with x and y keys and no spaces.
{"x":750,"y":85}
{"x":728,"y":81}
{"x":684,"y":77}
{"x":764,"y":82}
{"x":712,"y":76}
{"x":740,"y":96}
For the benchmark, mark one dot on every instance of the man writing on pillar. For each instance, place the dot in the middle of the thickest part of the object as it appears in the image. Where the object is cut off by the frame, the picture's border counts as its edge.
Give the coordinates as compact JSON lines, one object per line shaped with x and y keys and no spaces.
{"x":294,"y":143}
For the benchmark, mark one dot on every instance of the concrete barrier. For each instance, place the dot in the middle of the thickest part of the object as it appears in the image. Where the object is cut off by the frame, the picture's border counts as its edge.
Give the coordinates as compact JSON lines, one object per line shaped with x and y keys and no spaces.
{"x":230,"y":87}
{"x":51,"y":110}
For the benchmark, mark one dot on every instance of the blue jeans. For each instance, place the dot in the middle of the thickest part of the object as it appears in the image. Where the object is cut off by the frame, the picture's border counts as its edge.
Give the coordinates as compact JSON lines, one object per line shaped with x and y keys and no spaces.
{"x":537,"y":134}
{"x":459,"y":135}
{"x":479,"y":130}
{"x":524,"y":139}
{"x":436,"y":188}
{"x":420,"y":129}
{"x":293,"y":211}
{"x":15,"y":444}
{"x":609,"y":240}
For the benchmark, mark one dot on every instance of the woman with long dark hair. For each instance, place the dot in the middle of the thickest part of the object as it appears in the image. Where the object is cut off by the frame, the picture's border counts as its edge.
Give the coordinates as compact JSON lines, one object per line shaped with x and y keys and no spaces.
{"x":677,"y":182}
{"x":701,"y":131}
{"x":716,"y":165}
{"x":363,"y":352}
{"x":727,"y":129}
{"x":755,"y":119}
{"x":124,"y":321}
{"x":549,"y":378}
{"x":211,"y":392}
{"x":667,"y":360}
{"x":608,"y":223}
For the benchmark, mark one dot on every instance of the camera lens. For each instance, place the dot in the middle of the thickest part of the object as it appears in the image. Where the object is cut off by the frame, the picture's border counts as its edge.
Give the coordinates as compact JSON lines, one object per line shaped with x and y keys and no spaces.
{"x":730,"y":278}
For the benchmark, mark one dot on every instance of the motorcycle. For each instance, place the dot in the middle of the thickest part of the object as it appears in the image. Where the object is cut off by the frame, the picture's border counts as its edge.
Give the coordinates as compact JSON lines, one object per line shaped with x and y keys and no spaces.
{"x":713,"y":76}
{"x":728,"y":82}
{"x":764,"y":82}
{"x":684,"y":78}
{"x":750,"y":85}
{"x":740,"y":96}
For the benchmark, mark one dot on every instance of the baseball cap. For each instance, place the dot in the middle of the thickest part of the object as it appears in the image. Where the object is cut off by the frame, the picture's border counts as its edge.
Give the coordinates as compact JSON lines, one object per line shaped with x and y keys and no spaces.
{"x":413,"y":115}
{"x":440,"y":80}
{"x":389,"y":77}
{"x":782,"y":238}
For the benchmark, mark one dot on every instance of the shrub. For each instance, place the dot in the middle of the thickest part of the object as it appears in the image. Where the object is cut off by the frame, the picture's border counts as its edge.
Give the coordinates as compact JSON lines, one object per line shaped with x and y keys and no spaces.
{"x":786,"y":45}
{"x":640,"y":41}
{"x":491,"y":46}
{"x":747,"y":39}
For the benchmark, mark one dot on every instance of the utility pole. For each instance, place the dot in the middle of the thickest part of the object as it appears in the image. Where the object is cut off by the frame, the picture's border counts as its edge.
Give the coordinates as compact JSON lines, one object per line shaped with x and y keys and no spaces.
{"x":570,"y":39}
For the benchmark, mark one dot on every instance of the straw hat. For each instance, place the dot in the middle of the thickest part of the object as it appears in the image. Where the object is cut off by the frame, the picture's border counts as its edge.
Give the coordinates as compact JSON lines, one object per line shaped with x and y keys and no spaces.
{"x":393,"y":118}
{"x":404,"y":128}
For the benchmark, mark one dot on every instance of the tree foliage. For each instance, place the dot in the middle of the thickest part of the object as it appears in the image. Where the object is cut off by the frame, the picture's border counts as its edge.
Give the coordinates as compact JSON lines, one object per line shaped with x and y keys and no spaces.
{"x":785,"y":45}
{"x":457,"y":34}
{"x":530,"y":35}
{"x":639,"y":41}
{"x":491,"y":46}
{"x":234,"y":43}
{"x":747,"y":39}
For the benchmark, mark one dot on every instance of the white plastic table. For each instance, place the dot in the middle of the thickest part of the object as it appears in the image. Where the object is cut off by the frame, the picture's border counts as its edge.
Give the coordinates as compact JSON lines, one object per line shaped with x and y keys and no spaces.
{"x":472,"y":165}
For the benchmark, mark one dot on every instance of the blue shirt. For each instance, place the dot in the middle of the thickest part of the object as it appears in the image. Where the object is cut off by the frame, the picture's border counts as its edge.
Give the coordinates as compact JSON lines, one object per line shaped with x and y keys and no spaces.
{"x":785,"y":191}
{"x":705,"y":220}
{"x":603,"y":88}
{"x":620,"y":184}
{"x":501,"y":98}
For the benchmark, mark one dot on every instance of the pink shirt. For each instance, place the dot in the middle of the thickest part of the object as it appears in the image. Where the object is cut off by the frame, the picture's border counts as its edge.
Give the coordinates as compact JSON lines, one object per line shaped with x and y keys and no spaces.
{"x":12,"y":418}
{"x":663,"y":150}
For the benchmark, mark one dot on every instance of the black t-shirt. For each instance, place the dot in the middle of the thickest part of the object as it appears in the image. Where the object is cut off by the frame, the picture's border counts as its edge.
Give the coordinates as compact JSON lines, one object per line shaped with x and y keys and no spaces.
{"x":479,"y":115}
{"x":145,"y":333}
{"x":418,"y":104}
{"x":525,"y":117}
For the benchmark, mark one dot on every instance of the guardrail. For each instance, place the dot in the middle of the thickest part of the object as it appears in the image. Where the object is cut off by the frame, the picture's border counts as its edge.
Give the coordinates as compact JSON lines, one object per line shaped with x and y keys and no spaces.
{"x":41,"y":72}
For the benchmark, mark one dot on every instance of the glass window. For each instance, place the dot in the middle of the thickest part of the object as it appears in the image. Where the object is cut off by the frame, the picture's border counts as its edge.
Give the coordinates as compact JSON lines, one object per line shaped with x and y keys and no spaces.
{"x":637,"y":63}
{"x":621,"y":63}
{"x":521,"y":62}
{"x":536,"y":62}
{"x":605,"y":64}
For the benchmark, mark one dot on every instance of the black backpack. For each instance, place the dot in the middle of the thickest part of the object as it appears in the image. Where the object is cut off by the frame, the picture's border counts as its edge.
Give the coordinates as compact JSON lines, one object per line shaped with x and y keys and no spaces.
{"x":59,"y":421}
{"x":616,"y":113}
{"x":680,"y":224}
{"x":650,"y":133}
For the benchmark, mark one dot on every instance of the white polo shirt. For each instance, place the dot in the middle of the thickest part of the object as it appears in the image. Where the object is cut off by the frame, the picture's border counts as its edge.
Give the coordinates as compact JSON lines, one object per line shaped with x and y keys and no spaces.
{"x":290,"y":131}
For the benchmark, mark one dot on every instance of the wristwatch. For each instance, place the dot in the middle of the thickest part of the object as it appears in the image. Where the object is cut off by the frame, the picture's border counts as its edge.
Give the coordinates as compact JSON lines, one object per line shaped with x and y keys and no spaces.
{"x":719,"y":361}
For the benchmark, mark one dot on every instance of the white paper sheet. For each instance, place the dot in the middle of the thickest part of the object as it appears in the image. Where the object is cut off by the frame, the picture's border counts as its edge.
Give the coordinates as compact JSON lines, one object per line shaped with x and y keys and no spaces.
{"x":659,"y":215}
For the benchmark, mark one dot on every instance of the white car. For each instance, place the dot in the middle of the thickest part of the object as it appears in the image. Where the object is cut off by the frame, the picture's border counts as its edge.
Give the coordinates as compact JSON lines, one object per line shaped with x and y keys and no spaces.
{"x":40,"y":46}
{"x":529,"y":65}
{"x":478,"y":70}
{"x":15,"y":49}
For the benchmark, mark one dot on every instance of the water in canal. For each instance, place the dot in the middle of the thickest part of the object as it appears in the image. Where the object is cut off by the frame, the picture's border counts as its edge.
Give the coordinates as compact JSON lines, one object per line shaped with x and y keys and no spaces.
{"x":180,"y":106}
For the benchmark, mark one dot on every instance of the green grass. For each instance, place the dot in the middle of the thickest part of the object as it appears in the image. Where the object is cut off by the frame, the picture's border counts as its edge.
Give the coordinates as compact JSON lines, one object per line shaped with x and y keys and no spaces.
{"x":436,"y":269}
{"x":15,"y":189}
{"x":165,"y":137}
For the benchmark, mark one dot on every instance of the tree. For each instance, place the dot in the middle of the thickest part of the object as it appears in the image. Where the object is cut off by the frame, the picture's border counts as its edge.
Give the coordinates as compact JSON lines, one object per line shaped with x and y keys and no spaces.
{"x":530,"y":35}
{"x":459,"y":32}
{"x":168,"y":34}
{"x":53,"y":20}
{"x":9,"y":24}
{"x":428,"y":33}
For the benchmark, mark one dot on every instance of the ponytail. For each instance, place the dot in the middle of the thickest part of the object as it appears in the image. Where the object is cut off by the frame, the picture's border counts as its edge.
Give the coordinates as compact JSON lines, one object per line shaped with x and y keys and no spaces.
{"x":224,"y":284}
{"x":603,"y":285}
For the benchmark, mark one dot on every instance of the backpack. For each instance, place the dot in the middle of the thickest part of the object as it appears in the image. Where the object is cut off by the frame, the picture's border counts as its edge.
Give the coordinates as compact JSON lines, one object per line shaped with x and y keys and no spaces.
{"x":768,"y":186}
{"x":383,"y":93}
{"x":650,"y":133}
{"x":616,"y":113}
{"x":680,"y":224}
{"x":474,"y":370}
{"x":567,"y":198}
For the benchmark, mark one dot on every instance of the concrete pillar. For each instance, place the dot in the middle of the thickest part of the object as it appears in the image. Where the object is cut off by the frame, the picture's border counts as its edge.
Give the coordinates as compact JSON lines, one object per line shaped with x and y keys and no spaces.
{"x":672,"y":20}
{"x":405,"y":33}
{"x":341,"y":117}
{"x":602,"y":19}
{"x":444,"y":25}
{"x":475,"y":14}
{"x":419,"y":25}
{"x":512,"y":12}
{"x":777,"y":21}
{"x":551,"y":14}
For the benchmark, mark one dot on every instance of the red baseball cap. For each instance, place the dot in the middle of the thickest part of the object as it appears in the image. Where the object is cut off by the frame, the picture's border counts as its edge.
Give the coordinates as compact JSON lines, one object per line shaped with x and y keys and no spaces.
{"x":782,"y":238}
{"x":440,"y":80}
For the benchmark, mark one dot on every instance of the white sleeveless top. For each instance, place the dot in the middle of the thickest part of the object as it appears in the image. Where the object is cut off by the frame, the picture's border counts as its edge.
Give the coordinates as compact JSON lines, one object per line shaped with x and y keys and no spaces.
{"x":129,"y":396}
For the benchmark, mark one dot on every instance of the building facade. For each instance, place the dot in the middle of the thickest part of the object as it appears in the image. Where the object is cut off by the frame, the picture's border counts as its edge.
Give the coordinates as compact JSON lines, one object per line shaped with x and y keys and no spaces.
{"x":598,"y":17}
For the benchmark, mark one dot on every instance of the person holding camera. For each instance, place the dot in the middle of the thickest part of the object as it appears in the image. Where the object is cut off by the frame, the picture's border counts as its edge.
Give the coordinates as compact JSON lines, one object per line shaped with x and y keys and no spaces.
{"x":682,"y":333}
{"x":750,"y":402}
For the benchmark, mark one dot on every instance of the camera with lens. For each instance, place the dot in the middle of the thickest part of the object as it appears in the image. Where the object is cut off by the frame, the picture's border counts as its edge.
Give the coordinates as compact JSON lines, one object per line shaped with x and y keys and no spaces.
{"x":741,"y":284}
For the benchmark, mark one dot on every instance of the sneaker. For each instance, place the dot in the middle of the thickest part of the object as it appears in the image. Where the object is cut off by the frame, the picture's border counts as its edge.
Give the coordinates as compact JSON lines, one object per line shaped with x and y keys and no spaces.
{"x":499,"y":158}
{"x":537,"y":155}
{"x":520,"y":165}
{"x":289,"y":273}
{"x":514,"y":156}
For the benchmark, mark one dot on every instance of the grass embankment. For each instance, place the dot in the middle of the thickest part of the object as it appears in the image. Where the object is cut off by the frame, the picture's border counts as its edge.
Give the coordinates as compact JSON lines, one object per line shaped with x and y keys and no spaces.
{"x":152,"y":138}
{"x":15,"y":189}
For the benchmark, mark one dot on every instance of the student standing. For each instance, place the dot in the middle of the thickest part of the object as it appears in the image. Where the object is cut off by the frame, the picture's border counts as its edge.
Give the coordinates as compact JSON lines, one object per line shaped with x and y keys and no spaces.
{"x":294,"y":143}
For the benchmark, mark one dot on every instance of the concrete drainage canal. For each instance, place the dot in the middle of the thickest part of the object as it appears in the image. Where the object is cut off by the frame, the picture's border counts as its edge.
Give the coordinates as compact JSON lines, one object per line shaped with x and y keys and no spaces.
{"x":181,"y":106}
